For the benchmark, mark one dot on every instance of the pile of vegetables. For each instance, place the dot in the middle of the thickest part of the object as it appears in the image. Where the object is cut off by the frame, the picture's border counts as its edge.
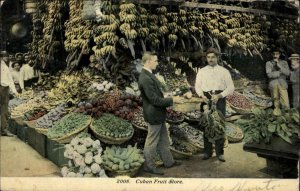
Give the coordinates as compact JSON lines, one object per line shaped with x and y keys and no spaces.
{"x":34,"y":114}
{"x":262,"y":125}
{"x":27,"y":106}
{"x":138,"y":138}
{"x":138,"y":119}
{"x":68,"y":124}
{"x":14,"y":103}
{"x":177,"y":145}
{"x":257,"y":100}
{"x":105,"y":86}
{"x":193,"y":115}
{"x":119,"y":159}
{"x":179,"y":133}
{"x":85,"y":159}
{"x":111,"y":126}
{"x":54,"y":115}
{"x":233,"y":132}
{"x":133,"y":89}
{"x":194,"y":135}
{"x":174,"y":116}
{"x":239,"y":101}
{"x":122,"y":106}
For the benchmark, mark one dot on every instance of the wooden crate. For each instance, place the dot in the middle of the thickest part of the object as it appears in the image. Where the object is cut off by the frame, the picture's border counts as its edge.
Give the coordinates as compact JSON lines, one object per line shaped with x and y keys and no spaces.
{"x":55,"y":152}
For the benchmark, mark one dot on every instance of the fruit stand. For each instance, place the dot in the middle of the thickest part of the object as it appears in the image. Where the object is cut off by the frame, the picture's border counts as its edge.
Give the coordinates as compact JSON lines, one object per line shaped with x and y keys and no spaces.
{"x":85,"y":113}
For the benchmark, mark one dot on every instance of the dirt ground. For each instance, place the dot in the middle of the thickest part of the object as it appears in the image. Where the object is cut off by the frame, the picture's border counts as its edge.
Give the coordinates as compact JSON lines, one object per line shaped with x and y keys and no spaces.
{"x":18,"y":159}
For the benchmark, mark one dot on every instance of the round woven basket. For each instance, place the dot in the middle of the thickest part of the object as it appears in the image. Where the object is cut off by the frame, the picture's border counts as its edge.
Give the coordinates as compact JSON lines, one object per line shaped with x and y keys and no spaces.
{"x":68,"y":137}
{"x":43,"y":131}
{"x":239,"y":110}
{"x":139,"y":127}
{"x":30,"y":124}
{"x":113,"y":173}
{"x":175,"y":122}
{"x":180,"y":155}
{"x":237,"y":134}
{"x":108,"y":139}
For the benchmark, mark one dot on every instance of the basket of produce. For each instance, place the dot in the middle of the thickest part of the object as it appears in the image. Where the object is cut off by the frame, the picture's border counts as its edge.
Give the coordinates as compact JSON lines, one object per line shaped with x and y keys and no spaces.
{"x":85,"y":157}
{"x":259,"y":100}
{"x":239,"y":103}
{"x":192,"y":116}
{"x":119,"y":161}
{"x":64,"y":130}
{"x":138,"y":121}
{"x":111,"y":129}
{"x":180,"y":150}
{"x":34,"y":114}
{"x":45,"y":122}
{"x":233,"y":132}
{"x":174,"y":117}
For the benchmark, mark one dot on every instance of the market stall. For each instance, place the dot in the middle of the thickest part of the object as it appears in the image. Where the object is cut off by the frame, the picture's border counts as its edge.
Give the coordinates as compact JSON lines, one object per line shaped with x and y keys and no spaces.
{"x":85,"y":113}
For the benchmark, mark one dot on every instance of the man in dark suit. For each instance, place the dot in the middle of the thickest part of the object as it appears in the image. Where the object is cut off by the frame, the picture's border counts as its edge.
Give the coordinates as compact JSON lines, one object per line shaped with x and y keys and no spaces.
{"x":154,"y":106}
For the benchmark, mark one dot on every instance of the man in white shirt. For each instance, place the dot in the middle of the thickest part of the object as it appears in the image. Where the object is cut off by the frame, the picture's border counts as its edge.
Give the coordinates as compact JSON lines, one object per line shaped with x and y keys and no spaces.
{"x":214,"y":82}
{"x":6,"y":84}
{"x":28,"y":75}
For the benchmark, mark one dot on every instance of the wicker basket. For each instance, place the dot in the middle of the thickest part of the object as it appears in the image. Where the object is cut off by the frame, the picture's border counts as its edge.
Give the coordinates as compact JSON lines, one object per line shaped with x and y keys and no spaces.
{"x":113,"y":173}
{"x":180,"y":155}
{"x":30,"y":124}
{"x":175,"y":122}
{"x":43,"y":131}
{"x":238,"y":136}
{"x":138,"y":127}
{"x":19,"y":121}
{"x":108,"y":139}
{"x":68,"y":137}
{"x":239,"y":110}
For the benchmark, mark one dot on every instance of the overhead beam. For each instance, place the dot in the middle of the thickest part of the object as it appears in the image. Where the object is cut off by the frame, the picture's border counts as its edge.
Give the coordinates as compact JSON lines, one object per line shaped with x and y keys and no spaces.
{"x":182,"y":3}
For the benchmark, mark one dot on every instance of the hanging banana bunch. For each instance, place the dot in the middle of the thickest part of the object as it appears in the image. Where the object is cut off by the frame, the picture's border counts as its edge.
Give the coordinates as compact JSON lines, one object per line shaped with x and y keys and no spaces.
{"x":104,"y":34}
{"x":128,"y":18}
{"x":78,"y":31}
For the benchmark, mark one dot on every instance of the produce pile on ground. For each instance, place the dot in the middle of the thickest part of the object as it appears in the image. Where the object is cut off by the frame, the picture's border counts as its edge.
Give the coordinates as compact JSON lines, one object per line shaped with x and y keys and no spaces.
{"x":262,"y":125}
{"x":138,"y":119}
{"x":68,"y":124}
{"x":119,"y":159}
{"x":177,"y":145}
{"x":85,"y":158}
{"x":34,"y":114}
{"x":111,"y":126}
{"x":238,"y":100}
{"x":123,"y":106}
{"x":174,"y":116}
{"x":50,"y":118}
{"x":257,"y":100}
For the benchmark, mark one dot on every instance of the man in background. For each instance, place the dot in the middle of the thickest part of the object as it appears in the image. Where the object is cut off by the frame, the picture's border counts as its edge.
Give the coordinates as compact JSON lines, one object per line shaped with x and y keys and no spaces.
{"x":6,"y":84}
{"x":277,"y":71}
{"x":294,"y":58}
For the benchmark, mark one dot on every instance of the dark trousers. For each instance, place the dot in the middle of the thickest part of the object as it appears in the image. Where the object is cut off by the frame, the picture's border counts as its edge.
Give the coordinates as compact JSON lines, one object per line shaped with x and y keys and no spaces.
{"x":4,"y":99}
{"x":219,"y":144}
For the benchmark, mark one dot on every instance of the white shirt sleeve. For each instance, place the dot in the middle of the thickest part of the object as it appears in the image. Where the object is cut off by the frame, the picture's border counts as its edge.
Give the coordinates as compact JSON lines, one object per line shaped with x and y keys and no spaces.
{"x":198,"y":84}
{"x":21,"y":79}
{"x":229,"y":84}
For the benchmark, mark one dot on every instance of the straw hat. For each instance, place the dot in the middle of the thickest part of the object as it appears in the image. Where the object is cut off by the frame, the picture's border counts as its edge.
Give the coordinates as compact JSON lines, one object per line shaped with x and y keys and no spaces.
{"x":294,"y":56}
